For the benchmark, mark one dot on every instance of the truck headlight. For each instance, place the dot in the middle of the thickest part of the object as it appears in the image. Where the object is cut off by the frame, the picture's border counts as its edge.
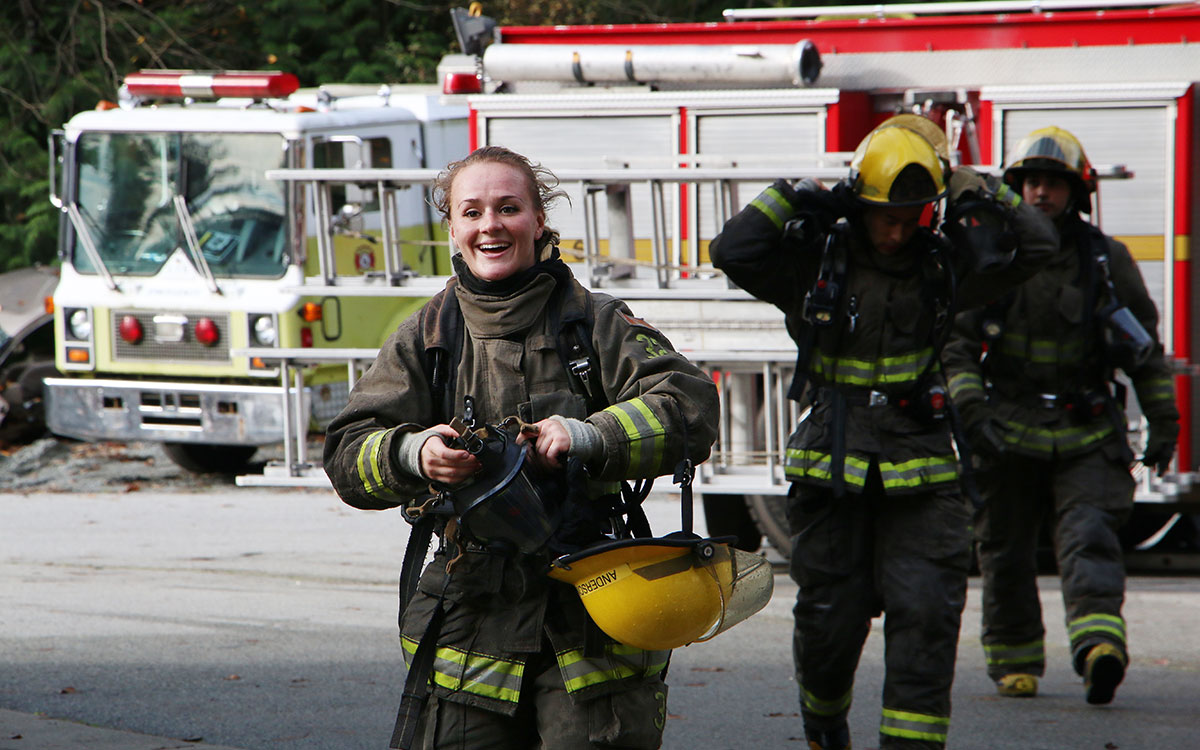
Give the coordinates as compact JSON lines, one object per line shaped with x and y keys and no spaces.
{"x":79,"y":324}
{"x":262,"y":329}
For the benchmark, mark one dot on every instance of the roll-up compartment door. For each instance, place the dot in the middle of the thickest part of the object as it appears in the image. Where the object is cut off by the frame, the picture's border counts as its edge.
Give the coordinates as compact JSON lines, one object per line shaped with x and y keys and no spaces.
{"x":593,"y":142}
{"x":751,"y":140}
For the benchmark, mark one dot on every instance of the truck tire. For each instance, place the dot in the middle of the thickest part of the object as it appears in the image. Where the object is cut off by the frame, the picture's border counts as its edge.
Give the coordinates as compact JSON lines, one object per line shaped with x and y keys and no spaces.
{"x":770,"y":513}
{"x":727,"y":515}
{"x":200,"y":458}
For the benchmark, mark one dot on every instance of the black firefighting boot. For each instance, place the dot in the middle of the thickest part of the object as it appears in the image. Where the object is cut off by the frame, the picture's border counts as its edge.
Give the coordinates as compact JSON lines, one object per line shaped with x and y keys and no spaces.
{"x":1103,"y":670}
{"x":837,"y":738}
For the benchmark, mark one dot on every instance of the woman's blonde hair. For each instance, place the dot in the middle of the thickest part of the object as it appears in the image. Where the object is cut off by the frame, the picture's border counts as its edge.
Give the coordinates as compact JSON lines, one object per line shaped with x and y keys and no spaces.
{"x":543,"y":186}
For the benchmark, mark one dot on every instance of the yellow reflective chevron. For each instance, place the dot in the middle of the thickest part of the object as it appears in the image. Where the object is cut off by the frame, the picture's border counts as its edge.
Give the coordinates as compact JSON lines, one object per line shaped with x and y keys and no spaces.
{"x":774,"y":206}
{"x":914,"y":726}
{"x":1014,"y":655}
{"x":618,"y":663}
{"x":905,"y":368}
{"x":647,"y":436}
{"x":478,"y":674}
{"x":370,"y":461}
{"x":1096,"y":624}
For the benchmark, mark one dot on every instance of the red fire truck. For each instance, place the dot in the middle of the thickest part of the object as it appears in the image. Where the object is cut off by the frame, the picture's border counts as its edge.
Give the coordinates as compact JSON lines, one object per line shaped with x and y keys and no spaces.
{"x":660,"y":131}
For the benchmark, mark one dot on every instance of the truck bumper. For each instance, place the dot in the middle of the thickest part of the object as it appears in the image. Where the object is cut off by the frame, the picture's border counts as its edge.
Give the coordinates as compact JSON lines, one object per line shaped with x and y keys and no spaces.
{"x":121,"y":410}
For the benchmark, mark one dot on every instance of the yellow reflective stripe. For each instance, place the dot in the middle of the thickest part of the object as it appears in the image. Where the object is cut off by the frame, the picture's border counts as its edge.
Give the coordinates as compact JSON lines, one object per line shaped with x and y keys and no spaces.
{"x":478,"y":674}
{"x":1158,"y":389}
{"x":1005,"y":194}
{"x":1040,"y":351}
{"x":774,"y":206}
{"x":619,"y":662}
{"x":914,"y":726}
{"x":883,"y":371}
{"x":918,"y":471}
{"x":964,"y":383}
{"x":646,"y":435}
{"x":826,"y":708}
{"x":1097,"y":623}
{"x":370,"y":456}
{"x":1046,"y":440}
{"x":1021,"y":653}
{"x":808,"y":463}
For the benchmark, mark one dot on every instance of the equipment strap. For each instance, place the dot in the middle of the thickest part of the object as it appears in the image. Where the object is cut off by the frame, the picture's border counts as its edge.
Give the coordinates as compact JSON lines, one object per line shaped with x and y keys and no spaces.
{"x":416,"y":684}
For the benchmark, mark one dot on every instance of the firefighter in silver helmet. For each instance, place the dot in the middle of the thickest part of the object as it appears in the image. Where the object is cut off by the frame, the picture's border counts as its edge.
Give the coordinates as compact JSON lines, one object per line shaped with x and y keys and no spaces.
{"x":504,"y":655}
{"x":878,"y":521}
{"x":1045,"y":420}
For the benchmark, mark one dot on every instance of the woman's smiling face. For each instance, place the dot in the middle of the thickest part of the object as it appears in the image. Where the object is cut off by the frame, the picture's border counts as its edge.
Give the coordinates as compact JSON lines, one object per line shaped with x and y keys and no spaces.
{"x":495,"y":219}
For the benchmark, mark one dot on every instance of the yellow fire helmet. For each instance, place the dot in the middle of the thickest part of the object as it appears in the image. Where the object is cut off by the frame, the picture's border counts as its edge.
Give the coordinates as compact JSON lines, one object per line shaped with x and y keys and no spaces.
{"x":924,"y":127}
{"x":1053,"y":149}
{"x":663,"y":593}
{"x":896,"y":166}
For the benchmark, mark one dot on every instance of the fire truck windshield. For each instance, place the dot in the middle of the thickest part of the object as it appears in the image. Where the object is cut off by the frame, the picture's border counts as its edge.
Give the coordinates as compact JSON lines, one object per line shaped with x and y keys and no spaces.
{"x":127,"y":183}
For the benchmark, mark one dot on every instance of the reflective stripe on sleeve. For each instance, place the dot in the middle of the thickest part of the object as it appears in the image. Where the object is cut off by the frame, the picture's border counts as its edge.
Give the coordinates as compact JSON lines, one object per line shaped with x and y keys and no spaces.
{"x":370,"y":465}
{"x":1156,"y":390}
{"x":965,"y":384}
{"x":914,"y":726}
{"x":647,"y":441}
{"x":774,"y":206}
{"x":1005,"y":194}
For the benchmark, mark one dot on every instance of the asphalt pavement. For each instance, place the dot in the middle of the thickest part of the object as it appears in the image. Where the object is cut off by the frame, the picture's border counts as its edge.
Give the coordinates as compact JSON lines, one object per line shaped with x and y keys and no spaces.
{"x":248,"y":619}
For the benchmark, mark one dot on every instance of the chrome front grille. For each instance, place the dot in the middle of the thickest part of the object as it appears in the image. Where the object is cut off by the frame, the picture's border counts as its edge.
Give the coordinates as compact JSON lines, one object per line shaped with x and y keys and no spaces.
{"x":185,"y":349}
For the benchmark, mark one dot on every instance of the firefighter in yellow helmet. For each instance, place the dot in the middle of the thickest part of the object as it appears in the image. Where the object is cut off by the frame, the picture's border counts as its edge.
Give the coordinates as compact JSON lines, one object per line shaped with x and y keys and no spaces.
{"x":879,"y":524}
{"x":1045,"y":419}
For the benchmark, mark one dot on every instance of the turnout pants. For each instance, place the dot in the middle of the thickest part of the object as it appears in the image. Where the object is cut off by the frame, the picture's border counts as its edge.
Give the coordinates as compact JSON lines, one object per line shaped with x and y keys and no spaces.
{"x":1084,"y":499}
{"x":856,"y":556}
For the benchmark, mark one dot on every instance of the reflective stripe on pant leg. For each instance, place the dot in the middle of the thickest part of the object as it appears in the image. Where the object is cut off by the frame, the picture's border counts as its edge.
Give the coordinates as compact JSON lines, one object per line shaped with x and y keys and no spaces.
{"x":1025,"y":658}
{"x":1108,"y":627}
{"x":914,"y":726}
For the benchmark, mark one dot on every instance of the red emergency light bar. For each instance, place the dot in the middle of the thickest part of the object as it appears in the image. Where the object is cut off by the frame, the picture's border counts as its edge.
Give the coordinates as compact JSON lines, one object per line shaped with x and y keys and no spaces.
{"x":178,"y":84}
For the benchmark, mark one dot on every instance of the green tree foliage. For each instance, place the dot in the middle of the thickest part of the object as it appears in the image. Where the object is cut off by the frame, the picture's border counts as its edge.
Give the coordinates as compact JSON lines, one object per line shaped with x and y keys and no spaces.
{"x":59,"y":58}
{"x":64,"y":56}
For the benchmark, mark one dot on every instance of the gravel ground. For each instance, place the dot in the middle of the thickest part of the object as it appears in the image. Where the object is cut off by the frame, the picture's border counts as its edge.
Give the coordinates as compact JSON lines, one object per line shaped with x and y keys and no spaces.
{"x":61,"y":465}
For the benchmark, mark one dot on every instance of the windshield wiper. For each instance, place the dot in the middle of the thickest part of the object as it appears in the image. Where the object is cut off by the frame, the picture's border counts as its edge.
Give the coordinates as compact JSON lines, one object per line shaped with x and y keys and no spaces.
{"x":193,"y":244}
{"x":89,"y":245}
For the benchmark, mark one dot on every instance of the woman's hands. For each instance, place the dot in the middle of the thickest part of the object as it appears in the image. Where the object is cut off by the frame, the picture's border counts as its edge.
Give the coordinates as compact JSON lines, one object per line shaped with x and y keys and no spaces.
{"x":444,"y":464}
{"x":548,"y":443}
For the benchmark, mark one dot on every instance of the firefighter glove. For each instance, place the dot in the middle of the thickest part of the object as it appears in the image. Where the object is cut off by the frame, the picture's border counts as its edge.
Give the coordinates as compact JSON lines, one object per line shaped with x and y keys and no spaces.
{"x":985,"y":432}
{"x":1160,"y":445}
{"x":966,"y":183}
